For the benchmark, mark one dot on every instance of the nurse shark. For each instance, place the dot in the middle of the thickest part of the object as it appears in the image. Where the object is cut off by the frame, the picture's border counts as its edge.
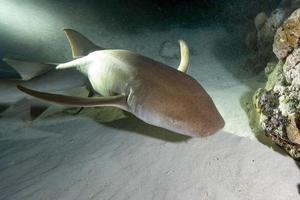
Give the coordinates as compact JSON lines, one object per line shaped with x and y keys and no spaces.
{"x":152,"y":91}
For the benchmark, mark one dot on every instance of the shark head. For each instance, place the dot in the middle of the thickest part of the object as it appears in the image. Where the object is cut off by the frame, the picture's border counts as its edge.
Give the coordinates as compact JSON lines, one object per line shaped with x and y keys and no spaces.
{"x":184,"y":107}
{"x":193,"y":120}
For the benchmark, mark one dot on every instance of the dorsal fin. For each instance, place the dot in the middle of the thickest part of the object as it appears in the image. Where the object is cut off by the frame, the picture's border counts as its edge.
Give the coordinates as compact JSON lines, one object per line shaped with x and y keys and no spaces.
{"x":185,"y":56}
{"x":80,"y":45}
{"x":28,"y":70}
{"x":118,"y":101}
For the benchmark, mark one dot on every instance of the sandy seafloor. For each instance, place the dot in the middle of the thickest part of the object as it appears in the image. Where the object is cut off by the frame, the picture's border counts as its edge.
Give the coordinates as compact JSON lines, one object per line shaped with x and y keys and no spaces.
{"x":76,"y":157}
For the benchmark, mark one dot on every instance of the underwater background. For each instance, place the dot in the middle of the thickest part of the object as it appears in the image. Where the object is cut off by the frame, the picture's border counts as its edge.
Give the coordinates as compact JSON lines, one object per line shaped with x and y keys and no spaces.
{"x":34,"y":27}
{"x":104,"y":153}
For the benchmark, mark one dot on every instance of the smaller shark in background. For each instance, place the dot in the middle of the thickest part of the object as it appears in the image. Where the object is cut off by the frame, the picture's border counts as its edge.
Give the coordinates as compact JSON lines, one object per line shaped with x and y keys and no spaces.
{"x":154,"y":92}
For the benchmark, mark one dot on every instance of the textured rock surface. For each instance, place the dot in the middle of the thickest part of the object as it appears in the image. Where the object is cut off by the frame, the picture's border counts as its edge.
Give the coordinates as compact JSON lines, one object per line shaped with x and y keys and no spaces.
{"x":260,"y":20}
{"x":266,"y":34}
{"x":292,"y":129}
{"x":261,"y":40}
{"x":287,"y":36}
{"x":279,"y":102}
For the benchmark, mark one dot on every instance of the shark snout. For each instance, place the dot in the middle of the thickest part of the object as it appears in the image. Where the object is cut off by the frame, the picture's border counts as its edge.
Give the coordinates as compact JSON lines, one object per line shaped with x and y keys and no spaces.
{"x":205,"y":126}
{"x":217,"y":125}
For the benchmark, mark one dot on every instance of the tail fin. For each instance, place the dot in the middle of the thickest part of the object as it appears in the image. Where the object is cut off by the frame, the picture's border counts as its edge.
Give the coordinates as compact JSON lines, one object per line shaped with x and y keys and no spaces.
{"x":28,"y":70}
{"x":185,"y":56}
{"x":80,"y":45}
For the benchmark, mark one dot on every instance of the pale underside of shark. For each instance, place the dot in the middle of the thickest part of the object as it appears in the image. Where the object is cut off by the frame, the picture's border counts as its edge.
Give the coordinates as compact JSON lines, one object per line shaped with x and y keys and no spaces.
{"x":154,"y":92}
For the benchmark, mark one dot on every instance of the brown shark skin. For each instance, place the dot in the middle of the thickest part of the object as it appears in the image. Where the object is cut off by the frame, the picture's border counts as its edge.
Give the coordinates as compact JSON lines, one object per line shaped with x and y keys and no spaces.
{"x":165,"y":97}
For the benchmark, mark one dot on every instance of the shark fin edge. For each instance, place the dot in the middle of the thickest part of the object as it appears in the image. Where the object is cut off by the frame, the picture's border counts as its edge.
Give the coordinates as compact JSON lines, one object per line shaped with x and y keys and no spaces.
{"x":80,"y":45}
{"x":27,"y":69}
{"x":118,"y":101}
{"x":185,"y":56}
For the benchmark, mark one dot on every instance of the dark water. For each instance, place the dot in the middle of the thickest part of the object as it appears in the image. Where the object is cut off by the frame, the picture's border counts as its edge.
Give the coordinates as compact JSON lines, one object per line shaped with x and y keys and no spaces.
{"x":30,"y":29}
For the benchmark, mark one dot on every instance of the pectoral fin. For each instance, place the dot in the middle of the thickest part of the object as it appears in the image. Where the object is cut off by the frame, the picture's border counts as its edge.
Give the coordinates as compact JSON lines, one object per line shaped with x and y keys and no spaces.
{"x":28,"y":70}
{"x":80,"y":45}
{"x":185,"y":56}
{"x":118,"y":101}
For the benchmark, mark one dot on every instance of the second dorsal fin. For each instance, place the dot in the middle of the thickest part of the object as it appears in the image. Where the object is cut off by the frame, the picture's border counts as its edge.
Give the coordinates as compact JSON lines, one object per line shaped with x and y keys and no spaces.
{"x":80,"y":45}
{"x":185,"y":56}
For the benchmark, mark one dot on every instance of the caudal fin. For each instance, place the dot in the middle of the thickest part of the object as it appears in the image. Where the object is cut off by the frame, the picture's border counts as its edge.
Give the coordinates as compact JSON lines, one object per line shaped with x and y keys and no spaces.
{"x":27,"y":69}
{"x":80,"y":45}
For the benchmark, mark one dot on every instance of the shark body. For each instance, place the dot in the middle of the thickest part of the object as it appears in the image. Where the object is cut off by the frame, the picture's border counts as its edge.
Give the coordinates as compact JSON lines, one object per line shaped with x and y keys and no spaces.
{"x":154,"y":92}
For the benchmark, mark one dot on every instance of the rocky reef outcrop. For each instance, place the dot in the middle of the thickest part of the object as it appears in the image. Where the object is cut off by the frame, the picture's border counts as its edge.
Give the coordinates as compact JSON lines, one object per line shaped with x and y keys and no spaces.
{"x":278,"y":103}
{"x":261,"y":38}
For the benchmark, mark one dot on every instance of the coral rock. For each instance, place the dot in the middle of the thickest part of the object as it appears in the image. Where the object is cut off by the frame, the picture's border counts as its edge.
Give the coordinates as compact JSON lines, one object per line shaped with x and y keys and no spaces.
{"x":278,"y":104}
{"x":292,"y":31}
{"x":266,"y":29}
{"x":277,"y":17}
{"x":281,"y":47}
{"x":293,"y":132}
{"x":291,"y":68}
{"x":287,"y":37}
{"x":260,"y":20}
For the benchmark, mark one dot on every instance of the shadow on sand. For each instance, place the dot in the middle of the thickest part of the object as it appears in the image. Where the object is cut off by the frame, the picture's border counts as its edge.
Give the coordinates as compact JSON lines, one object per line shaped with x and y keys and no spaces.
{"x":135,"y":125}
{"x":231,"y":48}
{"x":121,"y":120}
